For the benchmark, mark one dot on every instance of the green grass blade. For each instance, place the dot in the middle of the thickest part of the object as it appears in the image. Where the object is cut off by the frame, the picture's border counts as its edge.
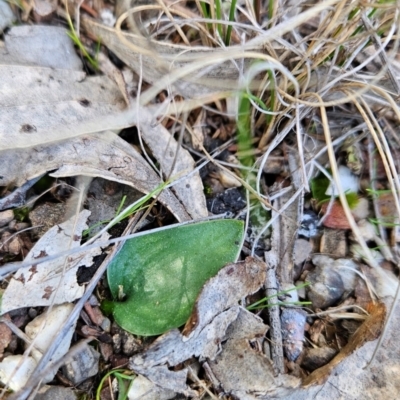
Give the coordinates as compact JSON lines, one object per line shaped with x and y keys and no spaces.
{"x":231,"y":19}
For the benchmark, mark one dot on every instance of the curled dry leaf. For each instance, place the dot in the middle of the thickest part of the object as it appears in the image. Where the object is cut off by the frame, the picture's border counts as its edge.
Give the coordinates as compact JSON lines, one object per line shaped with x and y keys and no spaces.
{"x":103,"y":155}
{"x":175,"y":162}
{"x":52,"y":282}
{"x":369,"y":330}
{"x":232,"y":283}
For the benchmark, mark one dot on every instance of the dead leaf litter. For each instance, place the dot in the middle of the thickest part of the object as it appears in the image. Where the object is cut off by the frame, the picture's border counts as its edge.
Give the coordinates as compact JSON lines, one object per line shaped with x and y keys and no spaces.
{"x":130,"y":118}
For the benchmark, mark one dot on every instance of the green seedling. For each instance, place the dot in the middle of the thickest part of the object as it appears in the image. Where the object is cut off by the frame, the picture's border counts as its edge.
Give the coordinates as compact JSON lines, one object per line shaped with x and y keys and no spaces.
{"x":384,"y":223}
{"x":264,"y":303}
{"x":244,"y":136}
{"x":377,"y":193}
{"x":319,"y":186}
{"x":131,"y":209}
{"x":124,"y":379}
{"x":231,"y":19}
{"x":21,"y":214}
{"x":208,"y":14}
{"x":75,"y":38}
{"x":121,"y":204}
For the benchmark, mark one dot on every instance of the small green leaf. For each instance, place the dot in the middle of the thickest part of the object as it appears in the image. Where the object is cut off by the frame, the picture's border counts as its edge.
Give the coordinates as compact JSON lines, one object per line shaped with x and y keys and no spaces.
{"x":162,"y":273}
{"x":319,"y":186}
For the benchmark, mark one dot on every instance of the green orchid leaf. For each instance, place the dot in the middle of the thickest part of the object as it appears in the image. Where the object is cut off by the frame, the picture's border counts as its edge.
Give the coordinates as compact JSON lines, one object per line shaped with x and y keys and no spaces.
{"x":155,"y":278}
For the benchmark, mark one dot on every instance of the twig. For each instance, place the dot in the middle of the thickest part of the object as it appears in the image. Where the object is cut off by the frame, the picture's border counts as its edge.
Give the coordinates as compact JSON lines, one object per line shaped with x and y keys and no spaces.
{"x":271,"y":285}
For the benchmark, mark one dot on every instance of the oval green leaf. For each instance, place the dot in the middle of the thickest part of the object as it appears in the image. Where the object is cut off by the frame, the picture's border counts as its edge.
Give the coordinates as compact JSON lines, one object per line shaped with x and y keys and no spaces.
{"x":161,"y":274}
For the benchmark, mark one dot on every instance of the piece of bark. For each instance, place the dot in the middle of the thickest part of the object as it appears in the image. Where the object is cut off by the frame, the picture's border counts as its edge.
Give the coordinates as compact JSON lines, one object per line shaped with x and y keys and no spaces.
{"x":334,"y":242}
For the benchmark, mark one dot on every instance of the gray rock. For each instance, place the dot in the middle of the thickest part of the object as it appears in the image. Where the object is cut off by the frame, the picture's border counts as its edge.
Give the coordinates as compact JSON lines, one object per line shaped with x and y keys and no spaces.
{"x":293,"y":322}
{"x":45,"y":46}
{"x":6,"y":217}
{"x":83,"y":365}
{"x":55,"y":393}
{"x":317,"y":357}
{"x":326,"y":287}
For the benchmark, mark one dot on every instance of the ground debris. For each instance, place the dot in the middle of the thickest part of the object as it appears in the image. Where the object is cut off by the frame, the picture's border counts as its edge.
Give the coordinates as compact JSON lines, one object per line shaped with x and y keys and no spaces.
{"x":55,"y":281}
{"x":209,"y":325}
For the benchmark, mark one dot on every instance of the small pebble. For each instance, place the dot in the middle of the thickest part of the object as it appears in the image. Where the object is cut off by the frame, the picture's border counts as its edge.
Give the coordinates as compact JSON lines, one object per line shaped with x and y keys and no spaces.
{"x":6,"y":217}
{"x":94,"y":301}
{"x":55,"y":393}
{"x":83,"y":365}
{"x":317,"y":357}
{"x":14,"y":246}
{"x":106,"y":325}
{"x":326,"y":287}
{"x":293,"y":322}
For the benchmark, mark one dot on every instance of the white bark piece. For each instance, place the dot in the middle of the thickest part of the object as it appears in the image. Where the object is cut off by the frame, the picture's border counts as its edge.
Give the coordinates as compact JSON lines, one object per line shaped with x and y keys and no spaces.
{"x":52,"y":282}
{"x":40,"y":105}
{"x":44,"y":328}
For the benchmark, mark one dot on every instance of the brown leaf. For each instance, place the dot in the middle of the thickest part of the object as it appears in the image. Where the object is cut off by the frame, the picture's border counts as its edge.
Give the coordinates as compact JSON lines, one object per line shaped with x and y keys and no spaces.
{"x":103,"y":155}
{"x":369,"y":330}
{"x":231,"y":284}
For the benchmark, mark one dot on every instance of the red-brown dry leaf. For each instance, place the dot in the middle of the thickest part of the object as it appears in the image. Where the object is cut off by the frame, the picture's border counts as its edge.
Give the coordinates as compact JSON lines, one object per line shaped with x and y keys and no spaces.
{"x":336,"y":218}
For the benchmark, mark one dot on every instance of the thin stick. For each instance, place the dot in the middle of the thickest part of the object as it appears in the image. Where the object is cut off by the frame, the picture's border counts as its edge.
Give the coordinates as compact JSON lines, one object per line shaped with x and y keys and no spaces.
{"x":271,"y":285}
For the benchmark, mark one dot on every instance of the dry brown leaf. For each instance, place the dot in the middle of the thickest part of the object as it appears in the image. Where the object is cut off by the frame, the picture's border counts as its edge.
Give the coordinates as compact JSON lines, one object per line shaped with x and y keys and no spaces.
{"x":243,"y":371}
{"x":41,"y":105}
{"x":103,"y":155}
{"x":175,"y":163}
{"x":369,"y":330}
{"x":52,"y":282}
{"x":231,"y":284}
{"x":45,"y":105}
